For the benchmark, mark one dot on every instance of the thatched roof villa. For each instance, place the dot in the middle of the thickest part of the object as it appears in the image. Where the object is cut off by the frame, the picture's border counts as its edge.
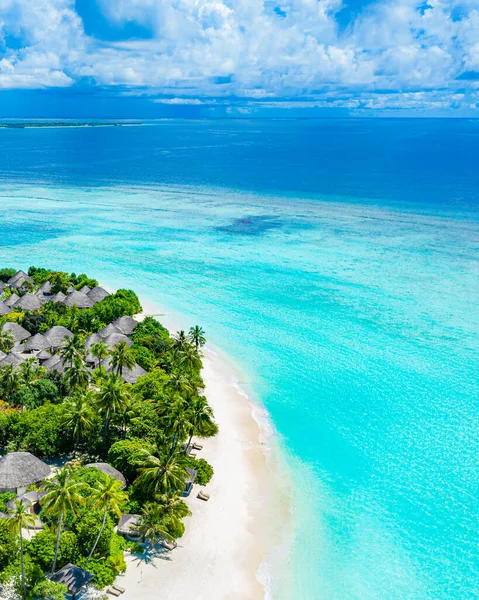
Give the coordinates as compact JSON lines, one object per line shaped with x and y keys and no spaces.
{"x":56,"y":335}
{"x":78,"y":299}
{"x":97,"y":294}
{"x":18,"y":470}
{"x":74,"y":578}
{"x":19,"y":279}
{"x":116,"y":338}
{"x":125,"y":324}
{"x":28,"y":302}
{"x":4,"y":308}
{"x":110,"y":471}
{"x":45,"y":288}
{"x":85,"y":289}
{"x":129,"y":527}
{"x":36,"y":343}
{"x":58,"y":297}
{"x":18,"y":333}
{"x":10,"y":301}
{"x":12,"y":359}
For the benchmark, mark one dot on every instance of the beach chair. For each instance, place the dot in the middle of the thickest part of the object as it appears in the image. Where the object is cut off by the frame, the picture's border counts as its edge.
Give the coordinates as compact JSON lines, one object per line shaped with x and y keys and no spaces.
{"x":118,"y":588}
{"x":202,"y":495}
{"x":197,"y":446}
{"x":193,"y":454}
{"x":113,"y":592}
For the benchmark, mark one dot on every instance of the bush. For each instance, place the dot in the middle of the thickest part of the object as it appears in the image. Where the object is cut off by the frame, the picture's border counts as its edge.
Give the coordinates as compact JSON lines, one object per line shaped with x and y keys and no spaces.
{"x":87,"y":529}
{"x":8,"y":544}
{"x":4,"y":499}
{"x":12,"y":573}
{"x":123,"y":455}
{"x":204,"y":469}
{"x":32,"y":321}
{"x":5,"y":274}
{"x":49,"y":590}
{"x":123,"y":302}
{"x":144,"y":357}
{"x":103,"y":570}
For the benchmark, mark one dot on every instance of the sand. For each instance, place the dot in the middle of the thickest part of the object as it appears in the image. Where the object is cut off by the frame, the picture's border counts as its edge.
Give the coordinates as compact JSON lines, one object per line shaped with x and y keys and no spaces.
{"x":231,"y":537}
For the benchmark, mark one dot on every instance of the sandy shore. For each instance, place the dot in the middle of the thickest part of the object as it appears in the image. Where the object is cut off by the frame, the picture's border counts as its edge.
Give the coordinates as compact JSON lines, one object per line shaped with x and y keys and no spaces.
{"x":229,"y":538}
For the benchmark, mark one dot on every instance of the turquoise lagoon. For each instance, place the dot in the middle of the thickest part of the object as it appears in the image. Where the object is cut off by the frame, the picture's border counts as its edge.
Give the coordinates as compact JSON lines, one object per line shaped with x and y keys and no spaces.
{"x":348,"y":296}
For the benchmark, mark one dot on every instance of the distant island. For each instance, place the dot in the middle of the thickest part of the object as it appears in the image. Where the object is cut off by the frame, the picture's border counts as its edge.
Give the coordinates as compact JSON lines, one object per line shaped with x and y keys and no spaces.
{"x":43,"y":124}
{"x":99,"y":405}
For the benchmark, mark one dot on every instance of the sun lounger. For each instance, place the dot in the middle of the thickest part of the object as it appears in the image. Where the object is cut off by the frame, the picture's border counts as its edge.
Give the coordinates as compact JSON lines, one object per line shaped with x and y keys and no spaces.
{"x":118,"y":588}
{"x":113,"y":592}
{"x":197,"y":446}
{"x":203,"y":495}
{"x":168,"y":545}
{"x":193,"y":454}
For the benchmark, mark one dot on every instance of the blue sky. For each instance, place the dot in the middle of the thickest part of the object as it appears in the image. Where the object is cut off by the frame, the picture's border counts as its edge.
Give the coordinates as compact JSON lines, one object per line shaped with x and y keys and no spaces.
{"x":154,"y":58}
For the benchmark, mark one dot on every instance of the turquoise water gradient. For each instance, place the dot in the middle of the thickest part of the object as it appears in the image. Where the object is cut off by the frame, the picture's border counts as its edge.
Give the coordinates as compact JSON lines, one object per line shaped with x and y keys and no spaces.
{"x":356,"y":318}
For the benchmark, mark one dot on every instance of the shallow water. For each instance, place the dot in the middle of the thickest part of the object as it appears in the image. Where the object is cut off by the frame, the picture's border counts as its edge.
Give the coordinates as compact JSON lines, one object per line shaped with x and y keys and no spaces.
{"x":355,"y":315}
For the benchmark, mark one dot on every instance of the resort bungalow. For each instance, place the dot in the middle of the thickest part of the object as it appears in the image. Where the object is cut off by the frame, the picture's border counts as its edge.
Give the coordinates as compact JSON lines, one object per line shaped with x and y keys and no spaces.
{"x":36,"y":343}
{"x":4,"y":308}
{"x":129,"y":527}
{"x":110,"y":471}
{"x":19,"y":280}
{"x":78,"y":299}
{"x":28,"y":302}
{"x":97,"y":294}
{"x":190,"y":480}
{"x":18,"y":333}
{"x":10,"y":301}
{"x":125,"y":324}
{"x":56,"y":336}
{"x":19,"y":470}
{"x":74,"y":578}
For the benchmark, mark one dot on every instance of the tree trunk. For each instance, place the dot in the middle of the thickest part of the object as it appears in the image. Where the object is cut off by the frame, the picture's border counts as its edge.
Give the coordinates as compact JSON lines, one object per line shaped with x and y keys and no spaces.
{"x":24,"y":585}
{"x":189,"y":441}
{"x":57,"y":545}
{"x":97,"y":538}
{"x":77,"y":442}
{"x":105,"y":430}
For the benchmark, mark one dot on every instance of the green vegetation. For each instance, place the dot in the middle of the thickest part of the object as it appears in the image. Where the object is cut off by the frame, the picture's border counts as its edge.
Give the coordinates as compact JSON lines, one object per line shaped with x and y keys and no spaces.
{"x":142,"y":429}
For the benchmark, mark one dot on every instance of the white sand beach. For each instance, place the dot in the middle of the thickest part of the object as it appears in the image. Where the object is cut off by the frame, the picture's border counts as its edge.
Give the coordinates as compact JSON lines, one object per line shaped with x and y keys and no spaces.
{"x":227,"y":538}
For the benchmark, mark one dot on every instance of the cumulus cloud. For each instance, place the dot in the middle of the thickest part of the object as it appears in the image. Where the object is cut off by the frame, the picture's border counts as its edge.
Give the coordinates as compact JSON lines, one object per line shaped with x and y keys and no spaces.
{"x":394,"y":52}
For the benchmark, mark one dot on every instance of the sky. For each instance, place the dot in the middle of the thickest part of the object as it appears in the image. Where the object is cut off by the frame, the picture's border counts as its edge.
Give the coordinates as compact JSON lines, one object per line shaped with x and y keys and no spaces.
{"x":219,"y":58}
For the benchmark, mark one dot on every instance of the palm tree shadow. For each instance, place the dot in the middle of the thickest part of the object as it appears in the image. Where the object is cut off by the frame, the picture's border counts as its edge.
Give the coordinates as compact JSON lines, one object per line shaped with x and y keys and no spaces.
{"x":149,"y":555}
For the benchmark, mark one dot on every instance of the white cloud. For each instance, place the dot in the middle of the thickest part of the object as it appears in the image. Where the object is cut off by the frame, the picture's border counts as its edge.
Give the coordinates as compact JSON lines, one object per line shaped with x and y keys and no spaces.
{"x":217,"y":48}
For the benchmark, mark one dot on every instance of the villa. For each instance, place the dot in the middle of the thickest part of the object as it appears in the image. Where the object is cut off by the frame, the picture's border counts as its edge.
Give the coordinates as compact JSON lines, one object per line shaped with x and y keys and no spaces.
{"x":19,"y":470}
{"x":74,"y":578}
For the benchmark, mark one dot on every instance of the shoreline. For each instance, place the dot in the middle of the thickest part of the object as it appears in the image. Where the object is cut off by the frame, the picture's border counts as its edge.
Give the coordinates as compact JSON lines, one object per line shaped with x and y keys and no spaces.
{"x":233,"y":541}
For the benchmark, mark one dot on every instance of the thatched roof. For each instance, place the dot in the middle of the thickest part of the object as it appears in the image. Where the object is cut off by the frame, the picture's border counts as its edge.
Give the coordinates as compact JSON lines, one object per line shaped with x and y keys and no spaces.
{"x":2,"y":355}
{"x":97,"y":294}
{"x":28,"y":302}
{"x":92,"y":339}
{"x":18,"y":275}
{"x":73,"y":577}
{"x":43,"y":299}
{"x":45,"y":288}
{"x":44,"y":355}
{"x":10,"y":301}
{"x":108,"y":330}
{"x":126,"y":324}
{"x":109,"y":470}
{"x":56,"y":335}
{"x":4,"y":309}
{"x":78,"y":299}
{"x":85,"y":289}
{"x":129,"y":524}
{"x":58,"y":297}
{"x":17,"y":331}
{"x":54,"y":364}
{"x":2,"y":286}
{"x":132,"y":375}
{"x":21,"y":469}
{"x":191,"y":476}
{"x":12,"y":359}
{"x":70,"y":289}
{"x":115,"y":338}
{"x":37,"y":342}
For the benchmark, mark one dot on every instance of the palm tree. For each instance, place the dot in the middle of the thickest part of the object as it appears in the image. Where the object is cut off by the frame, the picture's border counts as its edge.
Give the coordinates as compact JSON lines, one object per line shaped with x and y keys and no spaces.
{"x":79,"y":414}
{"x":72,"y":347}
{"x":122,"y":358}
{"x":111,"y":399}
{"x":106,"y":496}
{"x":200,"y":416}
{"x":20,"y":518}
{"x":153,"y":524}
{"x":28,"y":371}
{"x":179,"y":382}
{"x":9,"y":380}
{"x":174,"y":418}
{"x":189,"y":358}
{"x":174,"y":510}
{"x":197,"y":336}
{"x":180,"y":340}
{"x":99,"y":351}
{"x":163,"y":473}
{"x":62,"y":498}
{"x":77,"y":375}
{"x":6,"y":341}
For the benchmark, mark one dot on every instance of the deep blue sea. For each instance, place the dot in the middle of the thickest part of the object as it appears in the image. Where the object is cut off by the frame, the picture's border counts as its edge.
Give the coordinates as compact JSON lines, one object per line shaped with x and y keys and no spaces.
{"x":337,"y":262}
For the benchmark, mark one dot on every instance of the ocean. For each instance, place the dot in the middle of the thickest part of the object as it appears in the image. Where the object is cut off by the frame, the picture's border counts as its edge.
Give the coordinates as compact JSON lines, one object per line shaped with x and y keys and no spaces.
{"x":337,"y":262}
